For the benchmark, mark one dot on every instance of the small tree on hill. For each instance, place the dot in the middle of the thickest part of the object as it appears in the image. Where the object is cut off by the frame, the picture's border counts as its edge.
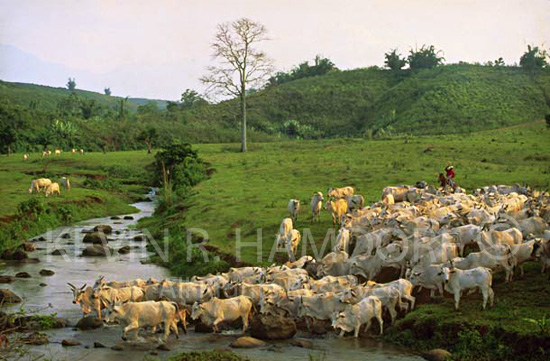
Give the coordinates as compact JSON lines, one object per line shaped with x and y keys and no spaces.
{"x":149,"y":137}
{"x":191,"y":98}
{"x":71,"y":84}
{"x":394,"y":61}
{"x":533,"y":59}
{"x":7,"y":138}
{"x":547,"y":117}
{"x":107,"y":91}
{"x":425,"y":58}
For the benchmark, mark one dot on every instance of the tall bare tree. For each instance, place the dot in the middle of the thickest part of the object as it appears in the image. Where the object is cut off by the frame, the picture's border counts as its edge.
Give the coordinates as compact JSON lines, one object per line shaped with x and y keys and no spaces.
{"x":240,"y":63}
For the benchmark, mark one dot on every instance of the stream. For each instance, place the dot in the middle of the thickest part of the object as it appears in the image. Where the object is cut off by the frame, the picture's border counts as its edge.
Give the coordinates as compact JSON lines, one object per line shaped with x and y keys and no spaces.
{"x":56,"y":297}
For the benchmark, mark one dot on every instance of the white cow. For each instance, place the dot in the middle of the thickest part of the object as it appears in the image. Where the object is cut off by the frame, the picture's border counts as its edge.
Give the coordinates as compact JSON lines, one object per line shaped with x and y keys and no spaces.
{"x":53,"y":189}
{"x":37,"y":185}
{"x":293,"y":209}
{"x":136,"y":315}
{"x":458,"y":281}
{"x":65,"y":183}
{"x":316,"y":206}
{"x":354,"y":316}
{"x":340,"y":192}
{"x":217,"y":310}
{"x":285,"y":227}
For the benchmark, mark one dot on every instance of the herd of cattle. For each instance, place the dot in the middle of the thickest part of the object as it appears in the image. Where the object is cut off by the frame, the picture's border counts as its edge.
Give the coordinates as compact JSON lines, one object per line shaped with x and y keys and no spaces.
{"x":48,"y":153}
{"x":48,"y":187}
{"x":451,"y":242}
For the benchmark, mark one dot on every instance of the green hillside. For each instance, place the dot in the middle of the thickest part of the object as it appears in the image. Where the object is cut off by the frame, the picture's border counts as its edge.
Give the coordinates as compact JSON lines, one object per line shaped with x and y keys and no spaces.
{"x":371,"y":102}
{"x":450,"y":98}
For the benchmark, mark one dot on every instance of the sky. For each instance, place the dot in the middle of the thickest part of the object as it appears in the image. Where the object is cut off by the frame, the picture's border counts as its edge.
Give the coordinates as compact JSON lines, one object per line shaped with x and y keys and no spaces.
{"x":159,"y":48}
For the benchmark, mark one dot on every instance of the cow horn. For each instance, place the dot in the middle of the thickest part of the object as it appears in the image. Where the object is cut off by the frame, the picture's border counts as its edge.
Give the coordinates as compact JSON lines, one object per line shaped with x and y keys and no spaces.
{"x":83,"y":287}
{"x":71,"y":285}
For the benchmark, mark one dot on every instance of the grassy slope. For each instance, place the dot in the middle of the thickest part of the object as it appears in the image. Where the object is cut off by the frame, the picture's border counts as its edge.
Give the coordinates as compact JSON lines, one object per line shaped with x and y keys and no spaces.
{"x":125,"y":168}
{"x":48,"y":97}
{"x":448,"y":99}
{"x":252,"y":190}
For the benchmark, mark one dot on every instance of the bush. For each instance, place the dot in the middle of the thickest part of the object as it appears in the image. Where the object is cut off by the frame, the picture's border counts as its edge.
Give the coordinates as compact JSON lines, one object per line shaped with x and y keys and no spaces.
{"x":32,"y":208}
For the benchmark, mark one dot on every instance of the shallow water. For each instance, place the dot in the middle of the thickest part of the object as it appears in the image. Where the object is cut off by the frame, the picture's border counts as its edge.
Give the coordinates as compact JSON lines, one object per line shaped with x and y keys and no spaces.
{"x":57,"y":297}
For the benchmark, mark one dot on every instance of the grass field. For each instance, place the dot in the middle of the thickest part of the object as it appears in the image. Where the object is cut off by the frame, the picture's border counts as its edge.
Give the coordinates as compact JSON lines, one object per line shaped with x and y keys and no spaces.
{"x":251,"y":191}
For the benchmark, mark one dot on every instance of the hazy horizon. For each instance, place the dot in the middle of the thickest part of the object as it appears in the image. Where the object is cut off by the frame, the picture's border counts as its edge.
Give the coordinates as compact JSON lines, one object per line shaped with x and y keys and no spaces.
{"x":159,"y":49}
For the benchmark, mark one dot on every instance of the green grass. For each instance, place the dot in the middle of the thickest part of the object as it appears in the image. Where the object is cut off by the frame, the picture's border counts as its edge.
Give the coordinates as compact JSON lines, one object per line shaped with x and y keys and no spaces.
{"x":250,"y":191}
{"x":121,"y":179}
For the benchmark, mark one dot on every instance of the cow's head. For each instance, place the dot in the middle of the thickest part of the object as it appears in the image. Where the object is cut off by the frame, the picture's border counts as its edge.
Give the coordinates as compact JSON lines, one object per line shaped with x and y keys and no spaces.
{"x":78,"y":293}
{"x":197,"y":310}
{"x":100,"y":282}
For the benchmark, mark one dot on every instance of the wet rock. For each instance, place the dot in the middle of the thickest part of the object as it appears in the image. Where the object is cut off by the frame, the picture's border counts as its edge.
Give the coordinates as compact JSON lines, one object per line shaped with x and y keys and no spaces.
{"x":43,"y":285}
{"x":117,"y":348}
{"x":437,"y":354}
{"x":104,"y":228}
{"x":268,"y":327}
{"x":87,"y":231}
{"x":65,"y":236}
{"x":6,"y":279}
{"x":89,"y":323}
{"x":68,"y":342}
{"x":29,"y":261}
{"x":58,"y":252}
{"x":96,"y":251}
{"x":7,"y":296}
{"x":153,"y":353}
{"x":117,"y":222}
{"x":46,"y":272}
{"x":14,"y":255}
{"x":41,"y":239}
{"x":35,"y":338}
{"x":163,"y":347}
{"x":124,"y":250}
{"x":301,"y":342}
{"x":60,"y":322}
{"x":320,"y":327}
{"x":139,"y":238}
{"x":118,"y":232}
{"x":98,"y":345}
{"x":22,"y":275}
{"x":247,"y":342}
{"x":115,"y":217}
{"x":95,"y":238}
{"x":28,"y":246}
{"x":128,"y":217}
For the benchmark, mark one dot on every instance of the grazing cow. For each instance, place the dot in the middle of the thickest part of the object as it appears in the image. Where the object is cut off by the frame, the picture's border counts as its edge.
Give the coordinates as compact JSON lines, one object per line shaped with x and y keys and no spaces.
{"x":321,"y":307}
{"x":136,"y":315}
{"x":65,"y":183}
{"x":38,"y":185}
{"x":430,"y":277}
{"x":73,"y":151}
{"x":217,"y":310}
{"x":240,"y":273}
{"x":488,"y":239}
{"x":497,"y":258}
{"x":465,"y":235}
{"x":354,"y":316}
{"x":389,"y":296}
{"x":340,"y":192}
{"x":399,"y":194}
{"x":45,"y":153}
{"x":186,"y":292}
{"x":57,"y":152}
{"x":292,"y":242}
{"x":49,"y":153}
{"x":108,"y":295}
{"x":81,"y":151}
{"x":457,"y":281}
{"x":25,"y":156}
{"x":53,"y":189}
{"x":316,"y":206}
{"x":337,"y":209}
{"x":293,"y":209}
{"x":284,"y":229}
{"x":83,"y":296}
{"x":355,"y":202}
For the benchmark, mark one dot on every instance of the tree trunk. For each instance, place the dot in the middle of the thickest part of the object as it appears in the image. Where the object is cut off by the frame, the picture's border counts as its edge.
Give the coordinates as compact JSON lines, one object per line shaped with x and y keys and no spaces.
{"x":243,"y":120}
{"x":9,"y":150}
{"x":149,"y":147}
